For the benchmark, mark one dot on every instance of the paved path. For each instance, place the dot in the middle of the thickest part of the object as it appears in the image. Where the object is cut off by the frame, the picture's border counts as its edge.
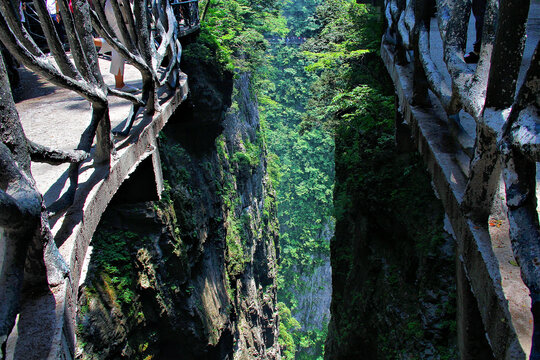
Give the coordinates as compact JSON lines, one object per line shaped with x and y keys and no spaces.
{"x":57,"y":117}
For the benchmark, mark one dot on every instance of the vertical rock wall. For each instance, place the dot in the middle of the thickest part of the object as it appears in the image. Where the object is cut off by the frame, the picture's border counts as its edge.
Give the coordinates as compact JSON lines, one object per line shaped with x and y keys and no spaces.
{"x":192,"y":276}
{"x":393,"y":271}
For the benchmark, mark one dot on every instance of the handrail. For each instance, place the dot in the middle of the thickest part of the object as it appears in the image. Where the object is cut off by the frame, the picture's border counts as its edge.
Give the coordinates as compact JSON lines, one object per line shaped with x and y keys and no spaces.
{"x":505,"y":117}
{"x":157,"y":57}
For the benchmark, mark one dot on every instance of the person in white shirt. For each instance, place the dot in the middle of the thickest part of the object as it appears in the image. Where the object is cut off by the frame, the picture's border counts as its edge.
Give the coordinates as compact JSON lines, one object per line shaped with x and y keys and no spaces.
{"x":117,"y":61}
{"x":54,"y":12}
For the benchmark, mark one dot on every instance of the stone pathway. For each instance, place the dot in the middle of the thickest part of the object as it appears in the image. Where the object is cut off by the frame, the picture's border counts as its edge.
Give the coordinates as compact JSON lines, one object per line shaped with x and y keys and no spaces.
{"x":57,"y":117}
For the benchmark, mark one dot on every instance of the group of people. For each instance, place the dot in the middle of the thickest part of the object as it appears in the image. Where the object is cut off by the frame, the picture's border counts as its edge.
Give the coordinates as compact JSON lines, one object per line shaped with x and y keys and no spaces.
{"x":117,"y":61}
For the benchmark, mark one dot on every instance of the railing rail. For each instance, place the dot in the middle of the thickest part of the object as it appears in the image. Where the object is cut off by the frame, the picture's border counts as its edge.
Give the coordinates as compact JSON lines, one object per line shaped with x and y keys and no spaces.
{"x":148,"y":39}
{"x":505,"y":117}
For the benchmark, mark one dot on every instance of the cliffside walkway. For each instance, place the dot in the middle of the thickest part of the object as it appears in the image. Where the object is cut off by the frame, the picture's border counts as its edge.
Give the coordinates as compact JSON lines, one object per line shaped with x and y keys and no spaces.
{"x":61,"y":107}
{"x":47,"y":322}
{"x":455,"y":115}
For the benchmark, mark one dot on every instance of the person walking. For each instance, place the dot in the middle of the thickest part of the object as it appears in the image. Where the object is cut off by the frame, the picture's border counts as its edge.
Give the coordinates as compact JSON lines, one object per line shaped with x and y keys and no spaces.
{"x":117,"y":61}
{"x":479,"y":10}
{"x":54,"y":12}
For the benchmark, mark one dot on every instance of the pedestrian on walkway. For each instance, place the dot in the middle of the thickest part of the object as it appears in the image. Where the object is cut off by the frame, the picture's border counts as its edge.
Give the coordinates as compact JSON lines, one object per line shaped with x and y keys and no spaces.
{"x":54,"y":12}
{"x":117,"y":61}
{"x":479,"y":10}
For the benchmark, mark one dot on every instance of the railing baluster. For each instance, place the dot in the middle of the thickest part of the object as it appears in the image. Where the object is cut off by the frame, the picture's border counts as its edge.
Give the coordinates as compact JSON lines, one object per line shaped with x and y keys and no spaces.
{"x":420,"y":83}
{"x":507,"y":53}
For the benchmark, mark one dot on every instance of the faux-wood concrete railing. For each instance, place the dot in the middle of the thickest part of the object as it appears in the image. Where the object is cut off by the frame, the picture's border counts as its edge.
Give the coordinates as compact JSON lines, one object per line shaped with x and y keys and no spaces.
{"x":506,"y":142}
{"x":30,"y":262}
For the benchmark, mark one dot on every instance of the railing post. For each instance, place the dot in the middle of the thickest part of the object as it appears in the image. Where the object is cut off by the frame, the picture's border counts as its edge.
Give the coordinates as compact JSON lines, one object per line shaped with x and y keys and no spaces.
{"x":472,"y":342}
{"x":505,"y":63}
{"x":401,"y":51}
{"x":104,"y":141}
{"x":403,"y":136}
{"x":520,"y":183}
{"x":420,"y":83}
{"x":507,"y":53}
{"x":484,"y":176}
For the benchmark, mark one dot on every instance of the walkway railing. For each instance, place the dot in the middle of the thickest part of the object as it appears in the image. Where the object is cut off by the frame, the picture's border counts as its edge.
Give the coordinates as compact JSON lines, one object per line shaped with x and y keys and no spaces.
{"x":506,"y":115}
{"x":150,"y":33}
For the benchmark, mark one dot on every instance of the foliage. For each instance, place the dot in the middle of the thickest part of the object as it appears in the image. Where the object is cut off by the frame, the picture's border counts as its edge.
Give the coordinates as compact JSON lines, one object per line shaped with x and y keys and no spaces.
{"x":233,"y":33}
{"x":301,"y":17}
{"x":376,"y":188}
{"x":305,"y":176}
{"x":113,"y":263}
{"x":235,"y":246}
{"x":345,"y":57}
{"x":248,"y":156}
{"x":287,"y":324}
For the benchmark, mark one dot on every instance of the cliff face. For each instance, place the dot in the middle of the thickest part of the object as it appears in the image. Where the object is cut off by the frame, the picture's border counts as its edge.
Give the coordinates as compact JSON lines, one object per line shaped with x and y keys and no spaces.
{"x":392,"y":262}
{"x":194,"y":274}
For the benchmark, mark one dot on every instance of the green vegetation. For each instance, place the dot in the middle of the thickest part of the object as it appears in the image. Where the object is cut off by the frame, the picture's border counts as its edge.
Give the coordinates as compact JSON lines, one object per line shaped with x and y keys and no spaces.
{"x":305,"y":186}
{"x":300,"y":165}
{"x":232,"y":35}
{"x":112,"y":282}
{"x":287,"y":323}
{"x":112,"y":261}
{"x":327,"y":95}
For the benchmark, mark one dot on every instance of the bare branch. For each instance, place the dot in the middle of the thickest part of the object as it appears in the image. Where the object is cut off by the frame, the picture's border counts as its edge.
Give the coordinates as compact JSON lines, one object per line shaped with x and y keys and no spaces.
{"x":436,"y":81}
{"x":133,"y":58}
{"x":65,"y":65}
{"x":130,"y":23}
{"x":124,"y":35}
{"x":83,"y":26}
{"x":510,"y":40}
{"x":12,"y":17}
{"x":46,"y":69}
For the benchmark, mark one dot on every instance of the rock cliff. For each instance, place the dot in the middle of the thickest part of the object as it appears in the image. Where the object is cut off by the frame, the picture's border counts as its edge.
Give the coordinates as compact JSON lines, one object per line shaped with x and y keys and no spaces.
{"x":393,"y":274}
{"x":191,"y":276}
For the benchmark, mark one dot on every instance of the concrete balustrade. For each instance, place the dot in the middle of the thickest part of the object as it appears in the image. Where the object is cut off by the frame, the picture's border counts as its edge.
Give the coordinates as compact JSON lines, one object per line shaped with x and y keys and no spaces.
{"x":464,"y":120}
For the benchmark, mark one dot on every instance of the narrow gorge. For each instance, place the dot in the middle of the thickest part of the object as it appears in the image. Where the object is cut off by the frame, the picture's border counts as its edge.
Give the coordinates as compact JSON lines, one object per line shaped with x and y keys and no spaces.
{"x":290,"y":226}
{"x":195,"y":272}
{"x":269,"y":179}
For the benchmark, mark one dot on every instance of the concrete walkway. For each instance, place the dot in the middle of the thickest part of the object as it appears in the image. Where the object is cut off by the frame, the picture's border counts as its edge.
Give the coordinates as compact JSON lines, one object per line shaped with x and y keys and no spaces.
{"x":515,"y":291}
{"x":57,"y":117}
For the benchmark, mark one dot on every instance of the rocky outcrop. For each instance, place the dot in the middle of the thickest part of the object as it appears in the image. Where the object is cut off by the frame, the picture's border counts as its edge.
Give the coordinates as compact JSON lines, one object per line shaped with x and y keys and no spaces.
{"x":192,"y":276}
